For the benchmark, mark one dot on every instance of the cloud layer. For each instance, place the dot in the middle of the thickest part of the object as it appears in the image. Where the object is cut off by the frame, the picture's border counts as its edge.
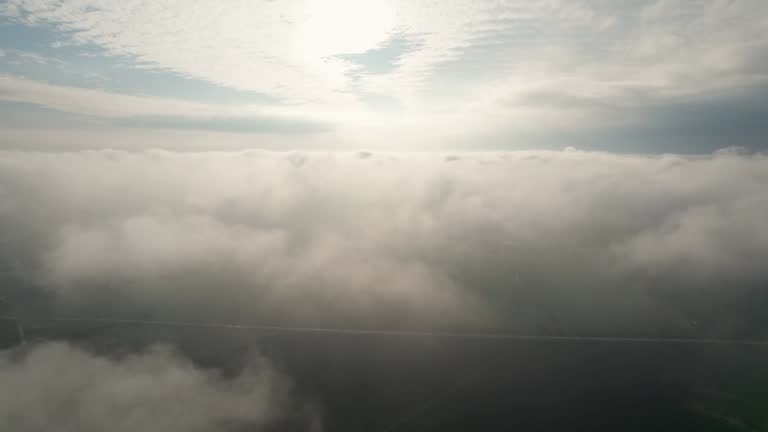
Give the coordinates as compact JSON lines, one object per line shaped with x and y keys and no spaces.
{"x":526,"y":241}
{"x":55,"y":386}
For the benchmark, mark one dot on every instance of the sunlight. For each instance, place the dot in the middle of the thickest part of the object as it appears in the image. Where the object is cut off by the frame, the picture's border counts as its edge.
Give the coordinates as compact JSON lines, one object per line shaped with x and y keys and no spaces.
{"x":332,"y":27}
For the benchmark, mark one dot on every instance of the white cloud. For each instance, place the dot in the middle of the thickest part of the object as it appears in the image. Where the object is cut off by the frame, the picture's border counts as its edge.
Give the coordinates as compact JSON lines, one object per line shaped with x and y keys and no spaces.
{"x":160,"y":113}
{"x":470,"y":67}
{"x":147,"y":112}
{"x":27,"y":137}
{"x":246,"y":46}
{"x":9,"y":9}
{"x":101,"y":103}
{"x":278,"y":48}
{"x":16,"y":56}
{"x":394,"y":239}
{"x":287,"y":48}
{"x":57,"y":387}
{"x":31,"y":57}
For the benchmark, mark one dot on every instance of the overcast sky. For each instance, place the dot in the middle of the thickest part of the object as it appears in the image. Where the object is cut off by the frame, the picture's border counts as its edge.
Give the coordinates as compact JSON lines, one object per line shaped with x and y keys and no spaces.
{"x":632,"y":76}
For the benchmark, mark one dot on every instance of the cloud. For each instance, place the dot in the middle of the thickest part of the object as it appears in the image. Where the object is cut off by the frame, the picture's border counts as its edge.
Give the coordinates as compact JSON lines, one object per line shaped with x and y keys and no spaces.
{"x":524,"y":241}
{"x":156,"y":112}
{"x":57,"y":386}
{"x":527,"y":72}
{"x":640,"y":121}
{"x":31,"y":57}
{"x":251,"y":124}
{"x":286,"y":51}
{"x":261,"y":55}
{"x":95,"y":102}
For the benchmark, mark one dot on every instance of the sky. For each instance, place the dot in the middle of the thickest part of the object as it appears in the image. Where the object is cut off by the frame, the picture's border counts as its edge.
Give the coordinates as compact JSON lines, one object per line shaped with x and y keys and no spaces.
{"x":641,"y":76}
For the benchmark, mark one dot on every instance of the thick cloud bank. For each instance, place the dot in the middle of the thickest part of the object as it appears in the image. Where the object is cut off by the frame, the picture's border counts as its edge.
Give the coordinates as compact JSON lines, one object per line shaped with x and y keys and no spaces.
{"x":57,"y":387}
{"x":550,"y":242}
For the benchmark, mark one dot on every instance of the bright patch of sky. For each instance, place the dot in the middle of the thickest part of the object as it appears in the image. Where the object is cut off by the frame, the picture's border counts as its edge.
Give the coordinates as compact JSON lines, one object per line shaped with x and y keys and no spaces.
{"x":640,"y":75}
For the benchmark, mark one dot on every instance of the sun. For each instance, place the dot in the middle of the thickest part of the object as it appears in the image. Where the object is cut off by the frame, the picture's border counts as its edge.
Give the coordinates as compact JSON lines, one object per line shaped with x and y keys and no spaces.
{"x":332,"y":27}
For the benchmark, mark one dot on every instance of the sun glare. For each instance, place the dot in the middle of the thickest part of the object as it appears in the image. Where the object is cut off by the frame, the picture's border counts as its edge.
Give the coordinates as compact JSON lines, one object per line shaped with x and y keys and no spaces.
{"x":332,"y":27}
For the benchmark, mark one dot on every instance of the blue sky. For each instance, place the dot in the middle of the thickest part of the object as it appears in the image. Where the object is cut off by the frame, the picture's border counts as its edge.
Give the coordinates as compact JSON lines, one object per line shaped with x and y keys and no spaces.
{"x":632,"y":76}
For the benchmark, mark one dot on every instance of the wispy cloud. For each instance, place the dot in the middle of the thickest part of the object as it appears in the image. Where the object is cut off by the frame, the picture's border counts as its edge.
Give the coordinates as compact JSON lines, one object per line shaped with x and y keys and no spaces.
{"x":270,"y":56}
{"x":475,"y":64}
{"x":154,"y":111}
